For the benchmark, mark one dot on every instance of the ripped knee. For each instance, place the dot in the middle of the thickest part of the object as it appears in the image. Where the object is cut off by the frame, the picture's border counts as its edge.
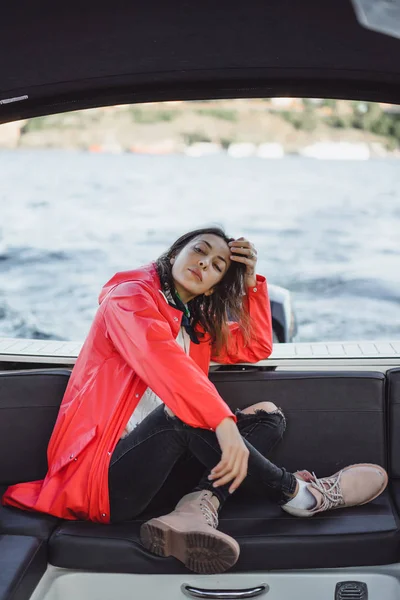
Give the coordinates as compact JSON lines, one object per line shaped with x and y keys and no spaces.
{"x":265,"y":414}
{"x":268,"y":407}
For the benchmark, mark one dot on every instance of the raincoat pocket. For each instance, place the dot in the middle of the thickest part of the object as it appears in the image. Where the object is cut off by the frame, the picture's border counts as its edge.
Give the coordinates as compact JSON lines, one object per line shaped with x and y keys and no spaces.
{"x":73,"y":451}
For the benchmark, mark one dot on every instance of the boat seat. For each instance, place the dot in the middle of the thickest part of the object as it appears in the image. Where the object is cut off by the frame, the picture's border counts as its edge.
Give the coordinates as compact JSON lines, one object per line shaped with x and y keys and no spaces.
{"x":393,"y":393}
{"x":23,"y":560}
{"x":29,"y":404}
{"x":22,"y":522}
{"x":269,"y":539}
{"x":334,"y":419}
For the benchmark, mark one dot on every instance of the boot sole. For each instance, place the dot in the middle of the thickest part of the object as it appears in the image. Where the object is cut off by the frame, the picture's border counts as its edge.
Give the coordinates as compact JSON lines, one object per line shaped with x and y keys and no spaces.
{"x":198,"y":551}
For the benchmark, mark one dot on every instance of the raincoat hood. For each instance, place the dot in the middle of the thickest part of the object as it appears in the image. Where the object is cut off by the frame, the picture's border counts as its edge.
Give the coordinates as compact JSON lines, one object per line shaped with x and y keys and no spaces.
{"x":148,"y":274}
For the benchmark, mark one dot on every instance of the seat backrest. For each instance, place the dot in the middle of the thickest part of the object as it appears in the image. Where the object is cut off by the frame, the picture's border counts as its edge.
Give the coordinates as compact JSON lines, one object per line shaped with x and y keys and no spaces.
{"x":393,"y":392}
{"x":333,"y":418}
{"x":29,"y":404}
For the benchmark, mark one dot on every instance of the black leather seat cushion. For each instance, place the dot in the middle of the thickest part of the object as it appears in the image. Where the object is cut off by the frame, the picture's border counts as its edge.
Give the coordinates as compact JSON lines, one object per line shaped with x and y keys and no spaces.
{"x":23,"y":560}
{"x":395,"y":489}
{"x":269,"y":539}
{"x":393,"y":391}
{"x":29,"y":404}
{"x":22,"y":522}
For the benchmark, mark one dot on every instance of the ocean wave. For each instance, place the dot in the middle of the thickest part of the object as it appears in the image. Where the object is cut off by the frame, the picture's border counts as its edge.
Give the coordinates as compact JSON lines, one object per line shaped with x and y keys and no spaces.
{"x":27,"y":255}
{"x":340,"y":285}
{"x":13,"y":324}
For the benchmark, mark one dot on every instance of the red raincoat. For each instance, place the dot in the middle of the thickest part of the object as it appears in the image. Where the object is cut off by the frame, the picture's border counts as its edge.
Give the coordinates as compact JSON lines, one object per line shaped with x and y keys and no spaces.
{"x":130,"y":346}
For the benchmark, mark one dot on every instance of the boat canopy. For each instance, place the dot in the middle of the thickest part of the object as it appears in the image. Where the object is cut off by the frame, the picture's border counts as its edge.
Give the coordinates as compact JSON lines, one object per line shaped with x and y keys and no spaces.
{"x":57,"y":57}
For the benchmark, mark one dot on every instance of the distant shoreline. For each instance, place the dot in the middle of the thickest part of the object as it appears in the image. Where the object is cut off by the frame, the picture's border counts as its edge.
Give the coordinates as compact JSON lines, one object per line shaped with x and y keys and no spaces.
{"x":240,"y":128}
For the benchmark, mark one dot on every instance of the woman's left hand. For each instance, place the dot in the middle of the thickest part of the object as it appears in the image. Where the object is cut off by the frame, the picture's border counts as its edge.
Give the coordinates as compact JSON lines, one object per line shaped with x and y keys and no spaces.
{"x":248,"y":257}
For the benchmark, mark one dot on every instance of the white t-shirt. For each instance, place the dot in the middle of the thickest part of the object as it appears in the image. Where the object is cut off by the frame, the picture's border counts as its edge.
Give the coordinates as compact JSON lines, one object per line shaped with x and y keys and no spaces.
{"x":149,"y":401}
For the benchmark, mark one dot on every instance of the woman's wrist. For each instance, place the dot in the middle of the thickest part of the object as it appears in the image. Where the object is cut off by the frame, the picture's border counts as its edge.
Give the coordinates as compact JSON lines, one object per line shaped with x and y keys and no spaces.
{"x":251,"y":282}
{"x":225,"y":422}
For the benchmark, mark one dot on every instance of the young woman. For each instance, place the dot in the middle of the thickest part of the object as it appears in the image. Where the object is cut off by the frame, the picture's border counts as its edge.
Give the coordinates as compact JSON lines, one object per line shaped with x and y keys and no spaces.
{"x":149,"y":349}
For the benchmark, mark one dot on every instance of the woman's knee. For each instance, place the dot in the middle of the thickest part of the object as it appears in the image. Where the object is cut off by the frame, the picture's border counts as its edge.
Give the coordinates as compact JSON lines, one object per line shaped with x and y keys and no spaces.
{"x":268,"y":412}
{"x":263,"y":425}
{"x":268,"y":407}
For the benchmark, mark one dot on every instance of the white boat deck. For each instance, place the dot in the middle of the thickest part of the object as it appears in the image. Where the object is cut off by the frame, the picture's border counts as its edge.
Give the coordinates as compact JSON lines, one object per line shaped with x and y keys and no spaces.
{"x":384,"y":353}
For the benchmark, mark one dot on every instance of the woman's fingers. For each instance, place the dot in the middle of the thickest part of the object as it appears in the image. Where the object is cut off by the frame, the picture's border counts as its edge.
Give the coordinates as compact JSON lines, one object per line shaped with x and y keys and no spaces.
{"x":240,"y":244}
{"x":225,"y":465}
{"x":228,"y":459}
{"x":246,"y":252}
{"x":233,"y":464}
{"x":241,"y":475}
{"x":240,"y":241}
{"x":229,"y":476}
{"x":243,"y":259}
{"x":243,"y":251}
{"x":237,"y":474}
{"x":235,"y":469}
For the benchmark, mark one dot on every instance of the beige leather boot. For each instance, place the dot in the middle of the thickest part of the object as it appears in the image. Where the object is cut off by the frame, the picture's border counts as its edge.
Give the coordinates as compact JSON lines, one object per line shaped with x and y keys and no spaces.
{"x":189,"y":533}
{"x":352,"y":486}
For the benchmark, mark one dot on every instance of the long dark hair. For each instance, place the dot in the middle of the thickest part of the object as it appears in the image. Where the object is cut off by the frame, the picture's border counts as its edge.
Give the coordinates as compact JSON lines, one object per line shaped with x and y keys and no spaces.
{"x":227,"y":303}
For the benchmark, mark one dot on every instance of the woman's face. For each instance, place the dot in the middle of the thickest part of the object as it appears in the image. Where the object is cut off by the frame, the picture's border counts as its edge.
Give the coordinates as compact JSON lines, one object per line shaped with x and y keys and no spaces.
{"x":200,"y":265}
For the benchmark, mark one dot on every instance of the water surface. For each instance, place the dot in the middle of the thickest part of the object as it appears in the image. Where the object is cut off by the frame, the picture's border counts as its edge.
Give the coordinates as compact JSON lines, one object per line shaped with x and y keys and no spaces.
{"x":327,"y":230}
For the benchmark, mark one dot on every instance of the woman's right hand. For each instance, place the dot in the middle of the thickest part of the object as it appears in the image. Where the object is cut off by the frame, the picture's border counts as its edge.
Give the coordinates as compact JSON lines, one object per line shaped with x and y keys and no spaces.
{"x":235,"y":456}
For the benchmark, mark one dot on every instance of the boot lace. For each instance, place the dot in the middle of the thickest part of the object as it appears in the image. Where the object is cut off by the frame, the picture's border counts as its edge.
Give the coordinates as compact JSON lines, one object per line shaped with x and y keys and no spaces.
{"x":332,"y":496}
{"x":209,"y":511}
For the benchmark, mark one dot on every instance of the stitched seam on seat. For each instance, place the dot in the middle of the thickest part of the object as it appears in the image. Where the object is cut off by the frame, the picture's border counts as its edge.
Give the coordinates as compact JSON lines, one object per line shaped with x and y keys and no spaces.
{"x":118,"y":539}
{"x":315,"y":519}
{"x":38,"y":373}
{"x":328,"y":410}
{"x":32,"y":407}
{"x":374,"y":376}
{"x":385,"y":532}
{"x":244,"y":536}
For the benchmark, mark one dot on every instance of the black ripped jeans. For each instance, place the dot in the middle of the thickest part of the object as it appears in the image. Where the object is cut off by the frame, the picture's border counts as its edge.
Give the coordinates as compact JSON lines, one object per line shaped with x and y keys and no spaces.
{"x":163,"y":459}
